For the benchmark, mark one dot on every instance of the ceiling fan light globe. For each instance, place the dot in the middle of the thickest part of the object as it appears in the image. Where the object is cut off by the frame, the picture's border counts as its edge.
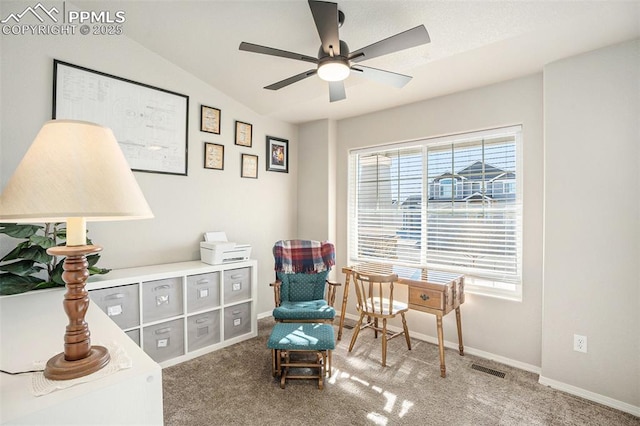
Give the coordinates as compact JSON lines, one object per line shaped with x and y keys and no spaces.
{"x":333,"y":71}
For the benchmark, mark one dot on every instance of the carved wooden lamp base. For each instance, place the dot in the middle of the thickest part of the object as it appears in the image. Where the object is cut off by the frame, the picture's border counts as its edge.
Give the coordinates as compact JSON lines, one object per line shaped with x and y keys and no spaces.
{"x":79,"y":357}
{"x":58,"y":368}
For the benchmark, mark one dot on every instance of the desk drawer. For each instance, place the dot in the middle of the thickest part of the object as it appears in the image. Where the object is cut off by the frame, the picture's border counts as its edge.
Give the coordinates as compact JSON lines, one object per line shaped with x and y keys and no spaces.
{"x":422,"y":297}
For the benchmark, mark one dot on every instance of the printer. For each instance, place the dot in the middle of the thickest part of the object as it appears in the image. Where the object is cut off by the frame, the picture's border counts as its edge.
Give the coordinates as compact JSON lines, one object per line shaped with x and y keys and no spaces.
{"x":216,"y":249}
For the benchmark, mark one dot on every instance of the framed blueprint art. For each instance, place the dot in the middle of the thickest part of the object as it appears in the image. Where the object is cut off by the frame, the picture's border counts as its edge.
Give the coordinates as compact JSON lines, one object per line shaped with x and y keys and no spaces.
{"x":149,"y":123}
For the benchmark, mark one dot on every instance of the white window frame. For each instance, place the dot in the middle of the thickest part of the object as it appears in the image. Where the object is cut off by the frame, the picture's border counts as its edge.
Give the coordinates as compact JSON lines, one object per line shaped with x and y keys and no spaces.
{"x":488,"y":286}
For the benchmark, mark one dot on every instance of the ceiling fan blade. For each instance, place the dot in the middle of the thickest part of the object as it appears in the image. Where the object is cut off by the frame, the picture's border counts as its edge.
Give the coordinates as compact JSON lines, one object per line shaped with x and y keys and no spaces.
{"x":410,"y":38}
{"x":291,"y":80}
{"x":382,"y":76}
{"x":256,"y":48}
{"x":336,"y":91}
{"x":325,"y":15}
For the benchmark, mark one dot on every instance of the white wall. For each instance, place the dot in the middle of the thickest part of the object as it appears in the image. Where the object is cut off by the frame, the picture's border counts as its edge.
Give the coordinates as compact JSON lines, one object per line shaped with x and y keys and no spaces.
{"x":592,"y":224}
{"x":505,"y":330}
{"x":252,"y":211}
{"x":313,"y":185}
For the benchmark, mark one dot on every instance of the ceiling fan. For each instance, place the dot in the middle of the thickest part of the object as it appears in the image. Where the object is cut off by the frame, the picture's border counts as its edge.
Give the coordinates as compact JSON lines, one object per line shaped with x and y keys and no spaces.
{"x":334,"y":62}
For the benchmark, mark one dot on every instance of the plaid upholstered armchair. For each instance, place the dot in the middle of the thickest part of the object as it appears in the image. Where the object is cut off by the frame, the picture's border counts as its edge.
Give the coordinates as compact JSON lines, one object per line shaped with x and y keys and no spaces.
{"x":302,"y":292}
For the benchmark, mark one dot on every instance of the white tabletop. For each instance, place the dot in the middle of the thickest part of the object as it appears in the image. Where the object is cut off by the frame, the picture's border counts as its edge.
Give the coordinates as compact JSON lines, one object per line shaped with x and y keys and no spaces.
{"x":32,"y":327}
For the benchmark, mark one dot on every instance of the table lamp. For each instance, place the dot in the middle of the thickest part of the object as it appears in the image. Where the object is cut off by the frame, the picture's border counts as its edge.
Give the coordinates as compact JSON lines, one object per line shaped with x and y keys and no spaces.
{"x":74,"y":172}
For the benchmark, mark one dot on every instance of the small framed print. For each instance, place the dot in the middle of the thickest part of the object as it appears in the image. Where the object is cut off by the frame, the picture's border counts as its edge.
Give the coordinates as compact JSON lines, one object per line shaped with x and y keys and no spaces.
{"x":213,"y":156}
{"x":249,"y":166}
{"x":277,"y":155}
{"x":210,"y":119}
{"x":244,"y":133}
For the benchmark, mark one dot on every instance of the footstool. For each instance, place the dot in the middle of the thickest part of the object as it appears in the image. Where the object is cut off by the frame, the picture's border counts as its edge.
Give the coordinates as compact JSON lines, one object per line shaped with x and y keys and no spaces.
{"x":301,"y":345}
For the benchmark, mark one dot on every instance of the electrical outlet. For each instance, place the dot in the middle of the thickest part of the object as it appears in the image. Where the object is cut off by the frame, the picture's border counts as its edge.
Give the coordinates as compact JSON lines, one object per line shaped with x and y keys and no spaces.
{"x":580,"y":343}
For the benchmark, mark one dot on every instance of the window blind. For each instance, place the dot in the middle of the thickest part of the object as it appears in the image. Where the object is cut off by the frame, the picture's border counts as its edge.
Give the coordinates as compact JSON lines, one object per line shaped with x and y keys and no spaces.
{"x":451,"y":203}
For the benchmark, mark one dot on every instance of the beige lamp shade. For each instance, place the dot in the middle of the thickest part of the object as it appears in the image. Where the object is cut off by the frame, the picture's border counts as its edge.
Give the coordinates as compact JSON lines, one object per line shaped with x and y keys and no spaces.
{"x":73,"y":169}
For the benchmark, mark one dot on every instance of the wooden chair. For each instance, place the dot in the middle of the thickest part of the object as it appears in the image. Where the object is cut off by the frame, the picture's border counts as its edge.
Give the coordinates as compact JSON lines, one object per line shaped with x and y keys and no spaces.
{"x":375,"y":301}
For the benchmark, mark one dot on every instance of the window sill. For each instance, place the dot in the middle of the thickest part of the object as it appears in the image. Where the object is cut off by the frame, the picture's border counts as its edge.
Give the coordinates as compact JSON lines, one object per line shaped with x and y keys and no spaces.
{"x":495,"y":289}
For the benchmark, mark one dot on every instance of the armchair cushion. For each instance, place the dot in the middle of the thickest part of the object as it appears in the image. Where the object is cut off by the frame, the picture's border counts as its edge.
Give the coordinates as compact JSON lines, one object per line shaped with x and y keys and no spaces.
{"x":302,"y":287}
{"x":304,"y":310}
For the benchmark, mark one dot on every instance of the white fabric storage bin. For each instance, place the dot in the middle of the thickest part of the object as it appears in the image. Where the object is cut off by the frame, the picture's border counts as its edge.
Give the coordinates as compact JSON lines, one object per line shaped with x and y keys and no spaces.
{"x":237,"y":320}
{"x":203,"y":330}
{"x":161,"y":299}
{"x":121,"y":304}
{"x":134,"y":335}
{"x":203,"y":291}
{"x":165,"y":340}
{"x":237,"y":285}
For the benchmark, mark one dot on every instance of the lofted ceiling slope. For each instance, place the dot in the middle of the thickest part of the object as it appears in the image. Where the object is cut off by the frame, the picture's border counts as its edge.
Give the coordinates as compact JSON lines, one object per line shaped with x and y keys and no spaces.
{"x":473,"y":43}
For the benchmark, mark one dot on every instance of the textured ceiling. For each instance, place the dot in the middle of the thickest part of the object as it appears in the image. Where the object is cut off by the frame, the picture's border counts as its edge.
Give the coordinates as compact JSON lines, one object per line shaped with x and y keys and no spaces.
{"x":473,"y":43}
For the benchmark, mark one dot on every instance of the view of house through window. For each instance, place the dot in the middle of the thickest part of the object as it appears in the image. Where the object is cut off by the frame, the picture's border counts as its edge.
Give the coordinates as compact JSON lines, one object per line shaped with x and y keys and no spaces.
{"x":450,"y":203}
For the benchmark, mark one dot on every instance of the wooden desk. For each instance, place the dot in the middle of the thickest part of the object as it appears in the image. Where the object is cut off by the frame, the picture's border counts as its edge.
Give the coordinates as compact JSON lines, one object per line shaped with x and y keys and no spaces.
{"x":434,"y":292}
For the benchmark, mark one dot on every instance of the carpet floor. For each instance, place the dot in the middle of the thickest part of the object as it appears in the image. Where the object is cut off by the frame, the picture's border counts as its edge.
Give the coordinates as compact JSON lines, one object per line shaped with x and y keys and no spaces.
{"x":234,"y":386}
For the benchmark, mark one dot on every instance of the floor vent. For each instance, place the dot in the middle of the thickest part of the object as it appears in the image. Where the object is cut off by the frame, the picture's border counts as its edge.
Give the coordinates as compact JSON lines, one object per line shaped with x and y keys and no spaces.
{"x":488,"y":370}
{"x":348,"y":326}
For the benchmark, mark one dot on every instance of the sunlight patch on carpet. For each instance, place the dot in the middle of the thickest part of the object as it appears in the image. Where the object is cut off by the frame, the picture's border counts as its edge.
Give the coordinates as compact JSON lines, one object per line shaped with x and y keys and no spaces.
{"x":391,"y":401}
{"x":406,"y":406}
{"x":377,"y":419}
{"x":351,"y":383}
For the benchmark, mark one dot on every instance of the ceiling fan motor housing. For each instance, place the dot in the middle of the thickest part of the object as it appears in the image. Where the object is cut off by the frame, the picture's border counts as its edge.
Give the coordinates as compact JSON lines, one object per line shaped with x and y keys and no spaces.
{"x":332,"y":66}
{"x":344,"y":52}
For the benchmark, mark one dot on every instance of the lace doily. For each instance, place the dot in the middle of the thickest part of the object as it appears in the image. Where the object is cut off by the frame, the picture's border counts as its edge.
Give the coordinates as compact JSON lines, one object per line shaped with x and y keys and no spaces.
{"x":40,"y":385}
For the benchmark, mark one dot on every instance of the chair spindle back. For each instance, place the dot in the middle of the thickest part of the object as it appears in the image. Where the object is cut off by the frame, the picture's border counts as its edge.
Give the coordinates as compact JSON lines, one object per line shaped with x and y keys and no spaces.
{"x":371,"y":294}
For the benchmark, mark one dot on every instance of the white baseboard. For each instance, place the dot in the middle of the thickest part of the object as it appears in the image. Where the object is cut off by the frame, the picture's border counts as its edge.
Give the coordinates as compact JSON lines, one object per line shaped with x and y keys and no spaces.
{"x":591,"y":396}
{"x":265,"y":314}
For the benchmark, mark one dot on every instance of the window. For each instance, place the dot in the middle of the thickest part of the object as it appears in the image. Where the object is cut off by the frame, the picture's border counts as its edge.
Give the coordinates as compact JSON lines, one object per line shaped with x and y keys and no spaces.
{"x":446,"y":188}
{"x":450,"y":203}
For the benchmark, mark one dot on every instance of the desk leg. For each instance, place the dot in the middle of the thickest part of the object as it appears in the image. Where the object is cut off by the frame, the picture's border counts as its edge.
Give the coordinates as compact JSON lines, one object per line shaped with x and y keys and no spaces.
{"x":343,"y":311}
{"x":459,"y":324}
{"x":443,"y":369}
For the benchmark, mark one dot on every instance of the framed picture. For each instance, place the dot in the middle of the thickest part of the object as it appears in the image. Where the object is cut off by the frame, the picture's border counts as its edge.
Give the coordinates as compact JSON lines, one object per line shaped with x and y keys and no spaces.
{"x":213,"y":156}
{"x":210,"y":119}
{"x":243,"y":133}
{"x":249,"y":166}
{"x":277,"y":154}
{"x":149,"y":123}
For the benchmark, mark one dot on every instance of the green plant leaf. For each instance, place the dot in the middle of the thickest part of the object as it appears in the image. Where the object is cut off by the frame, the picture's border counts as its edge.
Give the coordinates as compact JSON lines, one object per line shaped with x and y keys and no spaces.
{"x":98,"y":271}
{"x":44,"y":242}
{"x":23,"y":267}
{"x":36,"y":253}
{"x":56,"y":274}
{"x":93,"y":259}
{"x":19,"y":230}
{"x":15,"y":284}
{"x":15,"y":253}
